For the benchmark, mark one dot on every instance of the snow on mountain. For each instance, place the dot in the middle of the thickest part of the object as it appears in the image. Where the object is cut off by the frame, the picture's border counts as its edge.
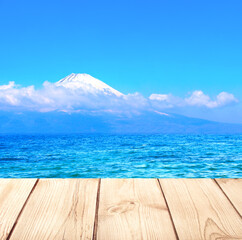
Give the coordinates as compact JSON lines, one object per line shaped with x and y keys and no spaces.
{"x":87,"y":83}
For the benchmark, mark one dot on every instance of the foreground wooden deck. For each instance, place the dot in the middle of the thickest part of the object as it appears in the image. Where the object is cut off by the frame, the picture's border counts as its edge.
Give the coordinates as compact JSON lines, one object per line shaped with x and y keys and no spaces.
{"x":120,"y":209}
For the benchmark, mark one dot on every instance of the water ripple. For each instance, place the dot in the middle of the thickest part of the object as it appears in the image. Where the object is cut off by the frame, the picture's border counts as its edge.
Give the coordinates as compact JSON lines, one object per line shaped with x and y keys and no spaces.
{"x":121,"y":156}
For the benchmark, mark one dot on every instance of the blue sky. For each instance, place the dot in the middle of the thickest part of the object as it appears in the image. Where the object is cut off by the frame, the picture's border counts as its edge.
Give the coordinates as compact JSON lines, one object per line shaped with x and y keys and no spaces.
{"x":149,"y":47}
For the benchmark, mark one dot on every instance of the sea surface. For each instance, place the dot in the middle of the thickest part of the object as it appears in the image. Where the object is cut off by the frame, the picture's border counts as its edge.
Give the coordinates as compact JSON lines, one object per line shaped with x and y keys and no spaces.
{"x":120,"y":156}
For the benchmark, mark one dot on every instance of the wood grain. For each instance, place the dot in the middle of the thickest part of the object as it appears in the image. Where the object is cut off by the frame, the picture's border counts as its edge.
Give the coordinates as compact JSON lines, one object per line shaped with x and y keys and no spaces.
{"x":59,"y":209}
{"x":13,"y":195}
{"x":133,"y":209}
{"x":200,"y":210}
{"x":233,"y":189}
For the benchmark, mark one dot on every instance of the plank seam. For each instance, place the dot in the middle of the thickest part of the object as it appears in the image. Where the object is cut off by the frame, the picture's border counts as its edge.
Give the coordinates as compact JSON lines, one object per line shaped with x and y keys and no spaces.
{"x":94,"y":237}
{"x":173,"y":224}
{"x":22,"y":209}
{"x":227,"y":197}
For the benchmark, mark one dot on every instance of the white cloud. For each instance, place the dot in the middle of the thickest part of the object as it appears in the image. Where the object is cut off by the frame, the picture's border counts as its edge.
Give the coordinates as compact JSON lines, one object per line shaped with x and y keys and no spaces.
{"x":10,"y":85}
{"x":159,"y":97}
{"x":165,"y":100}
{"x":225,"y":98}
{"x":52,"y":97}
{"x":198,"y":98}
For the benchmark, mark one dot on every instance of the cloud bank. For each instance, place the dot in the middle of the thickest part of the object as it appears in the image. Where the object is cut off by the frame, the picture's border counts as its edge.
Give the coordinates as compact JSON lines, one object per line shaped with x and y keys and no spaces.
{"x":197,"y":99}
{"x":52,"y":97}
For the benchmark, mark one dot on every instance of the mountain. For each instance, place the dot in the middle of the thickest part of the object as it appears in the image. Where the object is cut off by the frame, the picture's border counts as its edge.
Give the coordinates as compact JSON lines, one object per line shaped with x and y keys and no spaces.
{"x":102,"y":109}
{"x":148,"y":122}
{"x":87,"y":83}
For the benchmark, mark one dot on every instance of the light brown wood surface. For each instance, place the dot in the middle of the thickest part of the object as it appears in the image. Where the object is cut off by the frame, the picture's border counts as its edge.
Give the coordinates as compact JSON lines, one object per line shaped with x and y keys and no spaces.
{"x":120,"y":209}
{"x":59,"y":209}
{"x":133,"y":209}
{"x":13,"y":195}
{"x":200,"y":210}
{"x":233,"y":189}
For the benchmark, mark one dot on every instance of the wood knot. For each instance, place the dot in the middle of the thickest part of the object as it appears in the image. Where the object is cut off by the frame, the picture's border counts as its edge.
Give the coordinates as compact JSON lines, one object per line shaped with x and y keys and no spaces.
{"x":122,"y":207}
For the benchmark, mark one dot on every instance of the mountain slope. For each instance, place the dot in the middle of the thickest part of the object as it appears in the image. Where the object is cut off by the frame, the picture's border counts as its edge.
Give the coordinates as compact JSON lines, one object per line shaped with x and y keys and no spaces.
{"x":87,"y":83}
{"x":145,"y":123}
{"x":79,"y":103}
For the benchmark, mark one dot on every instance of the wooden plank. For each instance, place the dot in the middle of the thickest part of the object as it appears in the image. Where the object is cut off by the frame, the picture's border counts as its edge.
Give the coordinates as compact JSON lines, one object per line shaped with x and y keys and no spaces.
{"x":233,"y":189}
{"x":133,"y":209}
{"x":13,"y":195}
{"x":59,"y":209}
{"x":200,"y":210}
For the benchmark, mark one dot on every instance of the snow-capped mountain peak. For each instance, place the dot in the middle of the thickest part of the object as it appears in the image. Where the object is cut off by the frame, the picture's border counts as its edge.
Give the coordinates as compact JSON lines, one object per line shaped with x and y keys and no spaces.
{"x":87,"y":83}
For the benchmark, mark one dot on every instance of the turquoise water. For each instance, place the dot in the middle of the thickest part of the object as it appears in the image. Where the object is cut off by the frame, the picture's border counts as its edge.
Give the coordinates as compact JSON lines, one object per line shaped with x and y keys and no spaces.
{"x":91,"y":156}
